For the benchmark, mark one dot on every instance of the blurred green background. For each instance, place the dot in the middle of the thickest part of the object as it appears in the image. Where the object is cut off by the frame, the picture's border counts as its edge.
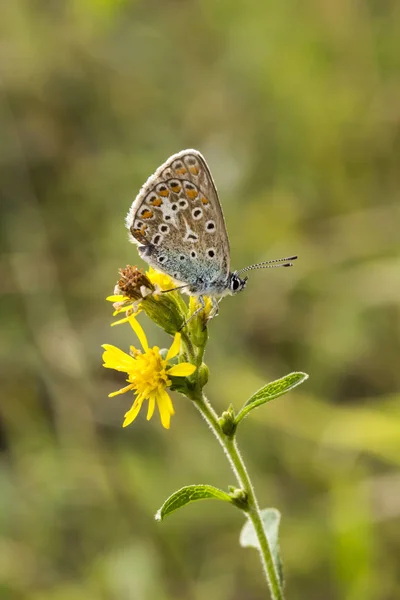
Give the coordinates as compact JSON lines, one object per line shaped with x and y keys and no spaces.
{"x":295,"y":106}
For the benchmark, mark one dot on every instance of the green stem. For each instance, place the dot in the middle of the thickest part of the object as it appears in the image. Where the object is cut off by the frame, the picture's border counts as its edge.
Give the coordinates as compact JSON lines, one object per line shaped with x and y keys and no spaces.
{"x":235,"y":459}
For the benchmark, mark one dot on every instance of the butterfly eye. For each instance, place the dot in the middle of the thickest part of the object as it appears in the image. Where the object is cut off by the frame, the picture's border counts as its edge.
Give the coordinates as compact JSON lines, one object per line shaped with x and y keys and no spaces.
{"x":235,"y":283}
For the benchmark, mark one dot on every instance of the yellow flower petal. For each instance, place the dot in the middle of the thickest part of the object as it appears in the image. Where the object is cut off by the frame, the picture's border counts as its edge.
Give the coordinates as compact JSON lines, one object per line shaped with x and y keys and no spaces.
{"x":117,"y":298}
{"x":165,"y":408}
{"x":124,"y":320}
{"x":138,"y":329}
{"x":133,"y":412}
{"x":182,"y":370}
{"x":152,"y":405}
{"x":175,"y":347}
{"x":163,"y":281}
{"x":117,"y":359}
{"x":121,"y":391}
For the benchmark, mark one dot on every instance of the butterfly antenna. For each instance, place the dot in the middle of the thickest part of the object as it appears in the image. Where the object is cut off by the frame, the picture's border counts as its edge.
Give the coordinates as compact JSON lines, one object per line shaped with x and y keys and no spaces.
{"x":270,"y":264}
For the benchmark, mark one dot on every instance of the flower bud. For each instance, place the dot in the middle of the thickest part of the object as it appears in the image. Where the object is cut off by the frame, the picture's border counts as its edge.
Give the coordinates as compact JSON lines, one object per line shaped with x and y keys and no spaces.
{"x":164,"y":309}
{"x":239,"y":497}
{"x":203,"y":375}
{"x":227,"y":421}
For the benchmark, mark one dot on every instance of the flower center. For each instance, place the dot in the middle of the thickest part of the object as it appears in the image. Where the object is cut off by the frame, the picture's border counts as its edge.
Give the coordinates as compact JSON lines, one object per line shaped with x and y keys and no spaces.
{"x":149,"y":371}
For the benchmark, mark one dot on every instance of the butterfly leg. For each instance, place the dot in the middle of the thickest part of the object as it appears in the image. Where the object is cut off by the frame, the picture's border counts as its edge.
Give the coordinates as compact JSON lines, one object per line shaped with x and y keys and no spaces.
{"x":215,"y":308}
{"x":196,"y":312}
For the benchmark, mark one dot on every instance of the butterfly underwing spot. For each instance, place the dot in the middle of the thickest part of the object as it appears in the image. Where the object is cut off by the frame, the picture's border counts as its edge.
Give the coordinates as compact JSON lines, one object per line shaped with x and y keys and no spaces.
{"x":182,"y":257}
{"x":191,"y":237}
{"x":191,"y":191}
{"x":193,"y":254}
{"x":167,"y":174}
{"x":174,"y":207}
{"x":162,"y":259}
{"x":204,"y":201}
{"x":175,"y":186}
{"x":146,"y":213}
{"x":197,"y":213}
{"x":163,"y":190}
{"x":211,"y":252}
{"x":179,"y":167}
{"x":210,"y":226}
{"x":154,"y":201}
{"x":156,"y":239}
{"x":138,"y":234}
{"x":183,"y":204}
{"x":163,"y":228}
{"x":192,"y":165}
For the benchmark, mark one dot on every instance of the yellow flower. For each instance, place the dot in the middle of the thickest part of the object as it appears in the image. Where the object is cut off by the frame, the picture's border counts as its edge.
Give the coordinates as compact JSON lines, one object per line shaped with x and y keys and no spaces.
{"x":148,"y":374}
{"x":164,"y":282}
{"x":123,"y":304}
{"x":137,"y":290}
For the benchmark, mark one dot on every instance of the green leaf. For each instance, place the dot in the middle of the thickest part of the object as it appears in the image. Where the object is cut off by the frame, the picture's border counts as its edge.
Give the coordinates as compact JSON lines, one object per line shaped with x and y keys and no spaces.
{"x":248,"y":539}
{"x":270,"y":391}
{"x":189,"y":494}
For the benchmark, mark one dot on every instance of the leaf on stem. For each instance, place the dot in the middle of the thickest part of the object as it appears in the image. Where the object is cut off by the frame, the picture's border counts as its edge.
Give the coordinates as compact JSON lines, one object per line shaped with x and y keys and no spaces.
{"x":270,"y":391}
{"x":188,"y":494}
{"x":248,"y":539}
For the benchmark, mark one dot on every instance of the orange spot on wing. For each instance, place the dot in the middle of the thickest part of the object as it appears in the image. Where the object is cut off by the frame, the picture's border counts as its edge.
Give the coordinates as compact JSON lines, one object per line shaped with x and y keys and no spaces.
{"x":138,"y":234}
{"x":156,"y":202}
{"x":192,"y":194}
{"x":146,"y":214}
{"x":164,"y":193}
{"x":181,"y":171}
{"x":194,"y":170}
{"x":205,"y":201}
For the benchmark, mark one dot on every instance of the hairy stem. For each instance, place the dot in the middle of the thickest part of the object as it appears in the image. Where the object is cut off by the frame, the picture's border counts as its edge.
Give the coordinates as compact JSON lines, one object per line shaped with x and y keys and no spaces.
{"x":237,"y":464}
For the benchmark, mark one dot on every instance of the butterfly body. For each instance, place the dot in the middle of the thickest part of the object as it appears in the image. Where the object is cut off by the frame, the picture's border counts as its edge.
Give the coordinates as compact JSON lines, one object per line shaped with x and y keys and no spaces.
{"x":178,"y":224}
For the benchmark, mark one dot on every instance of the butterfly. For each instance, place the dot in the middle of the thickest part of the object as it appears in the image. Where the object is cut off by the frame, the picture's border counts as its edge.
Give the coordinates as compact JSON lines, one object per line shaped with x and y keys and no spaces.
{"x":178,"y":224}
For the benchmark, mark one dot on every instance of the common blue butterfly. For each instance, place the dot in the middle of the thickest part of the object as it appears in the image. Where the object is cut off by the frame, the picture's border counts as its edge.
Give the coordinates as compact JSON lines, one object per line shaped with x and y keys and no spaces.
{"x":177,"y":222}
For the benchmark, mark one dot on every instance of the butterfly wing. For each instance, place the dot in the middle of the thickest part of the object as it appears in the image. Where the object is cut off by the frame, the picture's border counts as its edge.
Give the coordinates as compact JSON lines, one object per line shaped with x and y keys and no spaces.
{"x":177,"y":221}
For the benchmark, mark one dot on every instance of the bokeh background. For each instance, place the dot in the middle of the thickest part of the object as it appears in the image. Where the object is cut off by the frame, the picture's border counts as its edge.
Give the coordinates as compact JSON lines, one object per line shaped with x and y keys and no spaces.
{"x":296,"y":107}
